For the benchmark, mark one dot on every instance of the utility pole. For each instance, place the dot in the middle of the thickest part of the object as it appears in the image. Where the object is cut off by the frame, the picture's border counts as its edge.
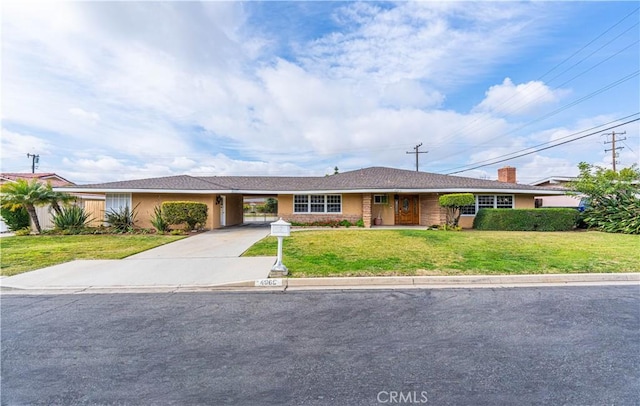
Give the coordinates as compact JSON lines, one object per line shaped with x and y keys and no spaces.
{"x":35,"y":159}
{"x":417,"y":152}
{"x":613,"y":149}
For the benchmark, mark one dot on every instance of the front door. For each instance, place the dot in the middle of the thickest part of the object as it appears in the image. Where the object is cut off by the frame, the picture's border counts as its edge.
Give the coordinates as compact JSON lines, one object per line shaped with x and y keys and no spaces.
{"x":406,"y":207}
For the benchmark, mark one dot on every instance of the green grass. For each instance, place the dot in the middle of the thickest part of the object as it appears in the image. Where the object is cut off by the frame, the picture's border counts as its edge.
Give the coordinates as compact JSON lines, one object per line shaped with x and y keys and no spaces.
{"x":21,"y":254}
{"x":422,"y":252}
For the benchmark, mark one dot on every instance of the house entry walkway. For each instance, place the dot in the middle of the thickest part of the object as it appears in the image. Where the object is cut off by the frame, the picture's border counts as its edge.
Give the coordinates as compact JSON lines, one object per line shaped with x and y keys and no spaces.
{"x":208,"y":259}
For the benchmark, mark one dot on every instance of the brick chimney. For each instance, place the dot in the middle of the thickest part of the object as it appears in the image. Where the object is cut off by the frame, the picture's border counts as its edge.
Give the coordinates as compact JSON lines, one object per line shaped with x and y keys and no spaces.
{"x":507,"y":174}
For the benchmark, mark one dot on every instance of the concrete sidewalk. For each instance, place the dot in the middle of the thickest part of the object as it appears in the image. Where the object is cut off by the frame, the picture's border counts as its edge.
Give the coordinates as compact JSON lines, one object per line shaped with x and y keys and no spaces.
{"x":208,"y":259}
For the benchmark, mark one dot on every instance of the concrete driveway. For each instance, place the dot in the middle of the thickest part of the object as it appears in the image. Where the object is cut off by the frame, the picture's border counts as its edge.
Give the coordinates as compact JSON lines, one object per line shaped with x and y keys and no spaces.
{"x":208,"y":259}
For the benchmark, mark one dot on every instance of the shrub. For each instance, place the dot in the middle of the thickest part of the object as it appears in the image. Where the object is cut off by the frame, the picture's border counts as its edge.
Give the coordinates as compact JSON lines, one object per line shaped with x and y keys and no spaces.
{"x":193,"y":214}
{"x":158,"y":221}
{"x":15,"y":219}
{"x":526,"y":219}
{"x":270,"y":205}
{"x":22,"y":232}
{"x":122,"y":220}
{"x":453,"y":202}
{"x":360,"y":223}
{"x":612,"y":198}
{"x":72,"y":219}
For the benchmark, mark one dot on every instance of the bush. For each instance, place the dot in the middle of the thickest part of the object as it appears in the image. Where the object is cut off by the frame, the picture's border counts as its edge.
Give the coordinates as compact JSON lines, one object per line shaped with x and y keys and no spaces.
{"x":72,"y":219}
{"x":526,"y":219}
{"x":158,"y":221}
{"x":15,"y":219}
{"x":453,"y":202}
{"x":612,"y":198}
{"x":360,"y":223}
{"x":193,"y":214}
{"x":22,"y":232}
{"x":122,"y":220}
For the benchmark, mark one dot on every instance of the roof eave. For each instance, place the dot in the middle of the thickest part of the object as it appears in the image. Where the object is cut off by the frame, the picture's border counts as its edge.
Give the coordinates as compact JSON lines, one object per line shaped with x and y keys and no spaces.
{"x":311,"y":191}
{"x":133,"y":190}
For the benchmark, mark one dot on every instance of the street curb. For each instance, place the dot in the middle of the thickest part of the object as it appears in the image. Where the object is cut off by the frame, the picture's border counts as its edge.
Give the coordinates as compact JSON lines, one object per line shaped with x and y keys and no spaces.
{"x":359,"y":283}
{"x":426,"y":281}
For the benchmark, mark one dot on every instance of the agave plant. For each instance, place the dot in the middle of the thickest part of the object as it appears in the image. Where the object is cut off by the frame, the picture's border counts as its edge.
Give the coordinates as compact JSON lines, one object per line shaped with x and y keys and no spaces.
{"x":122,"y":220}
{"x":158,"y":221}
{"x":72,"y":218}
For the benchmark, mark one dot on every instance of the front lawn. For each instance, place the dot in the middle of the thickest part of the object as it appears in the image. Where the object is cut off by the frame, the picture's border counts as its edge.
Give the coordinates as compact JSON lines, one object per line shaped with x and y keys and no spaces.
{"x":423,"y":252}
{"x":21,"y":254}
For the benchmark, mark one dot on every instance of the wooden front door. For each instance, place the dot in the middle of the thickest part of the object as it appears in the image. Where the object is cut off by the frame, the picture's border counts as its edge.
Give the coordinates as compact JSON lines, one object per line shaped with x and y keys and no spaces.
{"x":406,"y":207}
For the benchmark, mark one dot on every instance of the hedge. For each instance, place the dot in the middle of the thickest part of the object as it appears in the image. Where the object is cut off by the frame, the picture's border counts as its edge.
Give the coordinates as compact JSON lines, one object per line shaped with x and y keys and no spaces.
{"x":17,"y":219}
{"x":194,"y":214}
{"x":526,"y":219}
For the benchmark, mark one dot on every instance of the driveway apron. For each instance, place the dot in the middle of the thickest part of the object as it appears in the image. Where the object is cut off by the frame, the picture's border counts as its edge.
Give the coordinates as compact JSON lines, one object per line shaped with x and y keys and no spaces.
{"x":207,"y":259}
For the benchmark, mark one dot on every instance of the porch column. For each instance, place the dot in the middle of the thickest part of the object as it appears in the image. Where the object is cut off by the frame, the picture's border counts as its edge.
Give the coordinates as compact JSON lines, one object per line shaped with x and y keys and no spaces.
{"x":366,"y":210}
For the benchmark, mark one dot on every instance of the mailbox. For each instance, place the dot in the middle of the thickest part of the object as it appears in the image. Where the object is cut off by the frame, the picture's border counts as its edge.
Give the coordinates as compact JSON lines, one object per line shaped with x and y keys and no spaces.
{"x":281,"y":228}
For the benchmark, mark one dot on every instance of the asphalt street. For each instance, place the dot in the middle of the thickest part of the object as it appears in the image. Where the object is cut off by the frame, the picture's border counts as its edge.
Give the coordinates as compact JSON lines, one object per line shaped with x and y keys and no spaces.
{"x":509,"y":346}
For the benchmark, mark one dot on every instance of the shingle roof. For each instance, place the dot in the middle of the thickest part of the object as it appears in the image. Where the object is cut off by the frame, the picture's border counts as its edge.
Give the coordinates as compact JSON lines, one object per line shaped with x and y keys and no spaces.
{"x":375,"y":178}
{"x":54,"y":179}
{"x":179,"y":182}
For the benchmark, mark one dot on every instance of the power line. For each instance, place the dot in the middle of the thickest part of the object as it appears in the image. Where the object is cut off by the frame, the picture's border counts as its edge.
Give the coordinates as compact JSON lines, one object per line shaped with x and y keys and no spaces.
{"x":548,"y":142}
{"x":589,"y":43}
{"x":542,"y":149}
{"x":564,"y":61}
{"x":559,"y":110}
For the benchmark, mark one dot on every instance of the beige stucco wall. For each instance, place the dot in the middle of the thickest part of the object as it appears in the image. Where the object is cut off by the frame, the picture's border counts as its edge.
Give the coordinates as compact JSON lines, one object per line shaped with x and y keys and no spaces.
{"x":525,"y":202}
{"x":146,"y":202}
{"x":384,"y":211}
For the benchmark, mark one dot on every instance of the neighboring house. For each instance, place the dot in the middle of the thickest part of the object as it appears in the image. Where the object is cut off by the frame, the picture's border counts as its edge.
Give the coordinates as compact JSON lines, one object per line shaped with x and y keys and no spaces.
{"x":93,"y":203}
{"x":397,"y":197}
{"x":560,"y":183}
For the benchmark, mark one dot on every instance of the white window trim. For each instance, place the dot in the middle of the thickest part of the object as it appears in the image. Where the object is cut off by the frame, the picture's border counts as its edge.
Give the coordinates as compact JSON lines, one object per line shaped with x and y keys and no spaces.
{"x":326,"y":203}
{"x":495,"y":203}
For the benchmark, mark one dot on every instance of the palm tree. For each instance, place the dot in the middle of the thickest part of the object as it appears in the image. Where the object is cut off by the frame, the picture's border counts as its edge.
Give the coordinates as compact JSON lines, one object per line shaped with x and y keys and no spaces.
{"x":22,"y":193}
{"x":55,"y":198}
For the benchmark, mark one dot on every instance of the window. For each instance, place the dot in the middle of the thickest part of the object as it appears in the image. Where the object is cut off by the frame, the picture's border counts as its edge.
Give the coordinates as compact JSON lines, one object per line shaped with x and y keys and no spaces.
{"x":504,"y":202}
{"x":485,"y":202}
{"x":117,"y":201}
{"x":334,"y":204}
{"x":468,"y":210}
{"x":300,"y":203}
{"x":317,"y":203}
{"x":489,"y":202}
{"x":380,"y":199}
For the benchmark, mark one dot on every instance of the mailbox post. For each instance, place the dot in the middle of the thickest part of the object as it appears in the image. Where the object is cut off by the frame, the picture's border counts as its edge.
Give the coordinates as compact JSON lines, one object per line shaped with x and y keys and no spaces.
{"x":280,"y":229}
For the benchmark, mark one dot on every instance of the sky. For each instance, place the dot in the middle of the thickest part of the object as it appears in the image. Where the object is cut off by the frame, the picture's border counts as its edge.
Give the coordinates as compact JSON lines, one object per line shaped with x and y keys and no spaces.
{"x":108,"y":91}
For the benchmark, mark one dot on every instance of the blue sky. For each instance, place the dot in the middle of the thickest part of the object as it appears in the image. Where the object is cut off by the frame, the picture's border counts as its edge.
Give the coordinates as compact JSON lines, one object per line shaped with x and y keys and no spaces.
{"x":107,"y":91}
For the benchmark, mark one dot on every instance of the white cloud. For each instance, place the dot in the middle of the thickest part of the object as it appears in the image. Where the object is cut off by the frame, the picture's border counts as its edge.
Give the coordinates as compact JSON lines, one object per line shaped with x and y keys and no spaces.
{"x":87,"y":115}
{"x":510,"y":99}
{"x":138,"y":89}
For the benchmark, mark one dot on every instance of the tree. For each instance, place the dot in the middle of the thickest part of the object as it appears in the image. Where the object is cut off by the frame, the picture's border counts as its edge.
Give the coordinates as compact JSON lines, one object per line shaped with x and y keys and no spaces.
{"x":271,"y":205}
{"x":54,"y":198}
{"x":24,"y":194}
{"x":612,"y":198}
{"x":453,"y":202}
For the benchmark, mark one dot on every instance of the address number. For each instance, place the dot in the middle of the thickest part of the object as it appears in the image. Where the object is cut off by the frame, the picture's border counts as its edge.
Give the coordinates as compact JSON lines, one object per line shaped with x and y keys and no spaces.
{"x":269,"y":282}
